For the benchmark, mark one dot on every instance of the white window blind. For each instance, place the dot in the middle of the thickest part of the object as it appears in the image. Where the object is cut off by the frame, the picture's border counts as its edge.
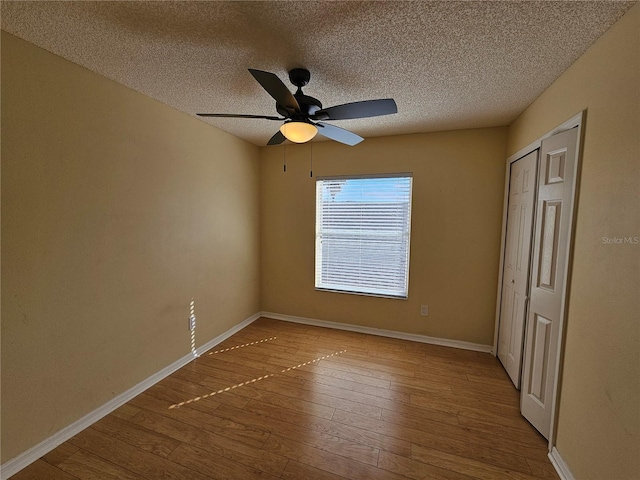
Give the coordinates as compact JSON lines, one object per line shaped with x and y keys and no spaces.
{"x":363,"y":229}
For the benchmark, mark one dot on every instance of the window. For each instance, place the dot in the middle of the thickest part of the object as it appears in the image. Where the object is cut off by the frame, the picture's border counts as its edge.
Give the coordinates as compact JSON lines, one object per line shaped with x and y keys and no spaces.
{"x":362,"y":234}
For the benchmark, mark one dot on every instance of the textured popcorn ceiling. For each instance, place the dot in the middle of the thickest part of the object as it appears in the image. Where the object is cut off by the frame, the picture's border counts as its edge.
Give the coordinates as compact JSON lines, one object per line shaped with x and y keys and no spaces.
{"x":448,"y":65}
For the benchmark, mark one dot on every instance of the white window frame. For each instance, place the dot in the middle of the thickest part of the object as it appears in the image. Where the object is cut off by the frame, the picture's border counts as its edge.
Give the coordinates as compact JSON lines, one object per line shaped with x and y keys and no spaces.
{"x":345,"y":286}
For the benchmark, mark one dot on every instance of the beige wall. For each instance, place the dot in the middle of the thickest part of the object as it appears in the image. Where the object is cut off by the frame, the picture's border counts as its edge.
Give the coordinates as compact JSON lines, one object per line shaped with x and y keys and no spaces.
{"x":458,"y":185}
{"x":116,"y":211}
{"x":599,"y":417}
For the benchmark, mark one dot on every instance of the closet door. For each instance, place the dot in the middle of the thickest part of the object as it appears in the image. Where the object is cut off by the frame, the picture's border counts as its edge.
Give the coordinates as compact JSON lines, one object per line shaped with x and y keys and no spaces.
{"x":556,"y":184}
{"x":515,"y":277}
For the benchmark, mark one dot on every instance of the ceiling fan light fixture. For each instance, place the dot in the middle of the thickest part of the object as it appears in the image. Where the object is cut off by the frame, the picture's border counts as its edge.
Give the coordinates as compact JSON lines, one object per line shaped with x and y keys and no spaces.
{"x":298,"y":132}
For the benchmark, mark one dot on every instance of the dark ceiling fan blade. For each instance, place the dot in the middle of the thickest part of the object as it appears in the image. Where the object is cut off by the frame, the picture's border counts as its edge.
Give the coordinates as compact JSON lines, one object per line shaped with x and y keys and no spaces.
{"x":364,"y":109}
{"x":277,"y":139}
{"x":233,"y":115}
{"x":338,"y":134}
{"x":278,"y":90}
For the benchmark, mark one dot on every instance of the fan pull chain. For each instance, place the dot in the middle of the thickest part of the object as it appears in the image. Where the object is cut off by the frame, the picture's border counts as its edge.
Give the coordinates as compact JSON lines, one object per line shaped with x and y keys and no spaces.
{"x":311,"y":167}
{"x":284,"y":157}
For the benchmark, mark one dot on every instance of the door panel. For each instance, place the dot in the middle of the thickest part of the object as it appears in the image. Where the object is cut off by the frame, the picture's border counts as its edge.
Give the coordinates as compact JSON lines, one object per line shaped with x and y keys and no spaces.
{"x":515,"y":278}
{"x":522,"y":262}
{"x":540,"y":350}
{"x":550,"y":253}
{"x":551,"y":213}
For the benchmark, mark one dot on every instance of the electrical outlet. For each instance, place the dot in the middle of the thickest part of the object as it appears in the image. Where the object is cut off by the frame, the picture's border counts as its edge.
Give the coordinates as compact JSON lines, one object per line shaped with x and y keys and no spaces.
{"x":424,"y":310}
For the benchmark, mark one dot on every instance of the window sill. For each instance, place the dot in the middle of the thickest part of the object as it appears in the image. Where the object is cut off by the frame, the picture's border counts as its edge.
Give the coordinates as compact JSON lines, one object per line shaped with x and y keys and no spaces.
{"x":363,"y":294}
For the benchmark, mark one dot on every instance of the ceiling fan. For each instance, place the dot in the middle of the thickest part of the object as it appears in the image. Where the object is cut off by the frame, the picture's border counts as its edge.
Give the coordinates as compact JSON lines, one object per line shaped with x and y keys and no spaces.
{"x":304,"y":116}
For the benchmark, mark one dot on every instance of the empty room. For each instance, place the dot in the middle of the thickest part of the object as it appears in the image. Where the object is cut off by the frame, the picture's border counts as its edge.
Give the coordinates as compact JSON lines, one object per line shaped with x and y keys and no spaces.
{"x":320,"y":240}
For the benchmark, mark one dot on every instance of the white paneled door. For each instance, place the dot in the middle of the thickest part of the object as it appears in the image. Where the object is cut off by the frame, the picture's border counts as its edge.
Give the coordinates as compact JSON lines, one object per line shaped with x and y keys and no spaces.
{"x":556,"y":183}
{"x":515,"y":277}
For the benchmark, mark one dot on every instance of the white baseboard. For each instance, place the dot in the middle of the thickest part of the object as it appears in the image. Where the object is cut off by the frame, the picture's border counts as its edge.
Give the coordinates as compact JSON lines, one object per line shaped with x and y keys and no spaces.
{"x":559,"y":464}
{"x":381,"y":332}
{"x":16,"y":464}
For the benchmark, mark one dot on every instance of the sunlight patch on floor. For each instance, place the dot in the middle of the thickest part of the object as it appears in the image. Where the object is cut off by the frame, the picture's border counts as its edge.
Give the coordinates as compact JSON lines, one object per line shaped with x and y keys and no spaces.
{"x":222,"y":390}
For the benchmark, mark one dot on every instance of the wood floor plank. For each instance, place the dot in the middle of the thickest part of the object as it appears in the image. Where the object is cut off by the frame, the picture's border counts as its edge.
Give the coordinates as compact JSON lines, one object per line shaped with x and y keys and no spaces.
{"x":335,"y":363}
{"x":237,"y":363}
{"x":449,"y":369}
{"x":172,"y":397}
{"x":192,"y":390}
{"x":416,"y":469}
{"x":365,"y":361}
{"x":523,"y":436}
{"x":402,"y":362}
{"x":214,"y":424}
{"x":502,"y":445}
{"x":383,"y":400}
{"x":312,"y":374}
{"x":444,"y":401}
{"x":294,"y":403}
{"x":300,"y":433}
{"x":142,"y":438}
{"x":289,"y":404}
{"x":542,"y":469}
{"x":278,"y":344}
{"x":133,"y":459}
{"x":333,"y":429}
{"x":418,"y":416}
{"x":421,"y":384}
{"x":471,"y":412}
{"x":448,"y":439}
{"x":477,"y":390}
{"x":444,"y":372}
{"x":382,"y":409}
{"x":60,"y":454}
{"x":292,"y":387}
{"x":465,"y":465}
{"x":248,"y":455}
{"x":125,"y":411}
{"x":277,"y":351}
{"x":87,"y":466}
{"x":216,"y":371}
{"x":300,"y":471}
{"x":215,"y":466}
{"x":40,"y":470}
{"x":347,"y":376}
{"x":187,"y":373}
{"x":330,"y":368}
{"x":330,"y":462}
{"x":463,"y":358}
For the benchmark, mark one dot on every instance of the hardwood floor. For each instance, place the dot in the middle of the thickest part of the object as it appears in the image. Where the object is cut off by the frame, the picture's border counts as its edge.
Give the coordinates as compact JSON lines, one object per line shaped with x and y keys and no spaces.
{"x":312,"y":403}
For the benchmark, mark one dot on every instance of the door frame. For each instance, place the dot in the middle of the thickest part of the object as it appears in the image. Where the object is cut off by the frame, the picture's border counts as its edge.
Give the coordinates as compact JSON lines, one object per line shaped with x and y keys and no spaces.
{"x":577,"y":121}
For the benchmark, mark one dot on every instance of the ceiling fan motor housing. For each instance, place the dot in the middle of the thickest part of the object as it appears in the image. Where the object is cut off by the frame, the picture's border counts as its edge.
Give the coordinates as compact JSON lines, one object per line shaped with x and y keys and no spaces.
{"x":308,"y":105}
{"x":299,"y":77}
